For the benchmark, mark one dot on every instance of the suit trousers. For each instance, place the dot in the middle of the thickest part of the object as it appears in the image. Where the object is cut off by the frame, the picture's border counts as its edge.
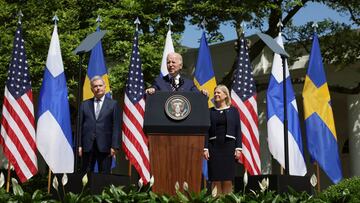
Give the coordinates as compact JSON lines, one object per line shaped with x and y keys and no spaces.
{"x":102,"y":159}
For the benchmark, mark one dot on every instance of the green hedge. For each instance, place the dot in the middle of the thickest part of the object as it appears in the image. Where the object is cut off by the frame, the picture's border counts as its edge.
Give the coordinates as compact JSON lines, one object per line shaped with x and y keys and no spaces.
{"x":348,"y":190}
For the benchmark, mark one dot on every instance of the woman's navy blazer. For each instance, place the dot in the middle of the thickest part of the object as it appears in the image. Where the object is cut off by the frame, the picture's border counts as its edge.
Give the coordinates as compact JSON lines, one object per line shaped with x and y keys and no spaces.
{"x":233,"y":129}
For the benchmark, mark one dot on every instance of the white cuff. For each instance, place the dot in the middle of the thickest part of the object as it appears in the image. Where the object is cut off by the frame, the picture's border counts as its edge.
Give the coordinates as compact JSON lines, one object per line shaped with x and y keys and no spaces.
{"x":229,"y":136}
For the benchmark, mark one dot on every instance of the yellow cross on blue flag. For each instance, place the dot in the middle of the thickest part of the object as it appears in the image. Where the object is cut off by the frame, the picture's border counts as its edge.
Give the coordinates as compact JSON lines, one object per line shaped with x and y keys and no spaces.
{"x":204,"y":77}
{"x":319,"y":118}
{"x":96,"y":67}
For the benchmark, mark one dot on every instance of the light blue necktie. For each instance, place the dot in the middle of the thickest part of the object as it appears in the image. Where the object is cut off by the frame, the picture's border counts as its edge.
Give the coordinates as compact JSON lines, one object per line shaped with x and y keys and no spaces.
{"x":97,"y":108}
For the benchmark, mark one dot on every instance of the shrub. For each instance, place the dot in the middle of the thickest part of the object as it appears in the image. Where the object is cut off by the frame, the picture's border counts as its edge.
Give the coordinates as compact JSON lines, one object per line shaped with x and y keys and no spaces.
{"x":345,"y":191}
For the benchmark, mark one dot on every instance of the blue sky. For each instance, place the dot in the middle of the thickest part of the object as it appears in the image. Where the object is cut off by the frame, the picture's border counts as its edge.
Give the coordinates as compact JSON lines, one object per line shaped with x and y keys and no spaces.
{"x":311,"y":12}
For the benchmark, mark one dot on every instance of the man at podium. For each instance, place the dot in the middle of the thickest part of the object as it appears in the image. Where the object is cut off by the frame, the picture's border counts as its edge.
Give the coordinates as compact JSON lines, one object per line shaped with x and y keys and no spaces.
{"x":168,"y":137}
{"x":173,"y":81}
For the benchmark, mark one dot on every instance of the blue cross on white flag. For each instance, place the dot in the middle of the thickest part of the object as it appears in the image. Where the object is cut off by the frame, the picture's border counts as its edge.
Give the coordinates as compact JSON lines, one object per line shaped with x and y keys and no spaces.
{"x":275,"y":114}
{"x":54,"y":136}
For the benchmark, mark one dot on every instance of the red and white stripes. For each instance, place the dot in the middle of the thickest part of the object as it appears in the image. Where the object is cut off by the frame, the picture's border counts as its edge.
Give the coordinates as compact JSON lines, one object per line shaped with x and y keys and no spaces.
{"x":134,"y":141}
{"x":249,"y":131}
{"x":18,"y":134}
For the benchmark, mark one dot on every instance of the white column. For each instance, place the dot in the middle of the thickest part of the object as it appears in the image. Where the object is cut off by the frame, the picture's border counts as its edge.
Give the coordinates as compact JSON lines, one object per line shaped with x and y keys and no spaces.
{"x":354,"y":133}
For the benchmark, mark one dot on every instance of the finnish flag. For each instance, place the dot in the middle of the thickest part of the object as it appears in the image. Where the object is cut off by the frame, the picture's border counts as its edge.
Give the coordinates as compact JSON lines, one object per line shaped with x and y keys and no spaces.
{"x":275,"y":118}
{"x":54,"y":135}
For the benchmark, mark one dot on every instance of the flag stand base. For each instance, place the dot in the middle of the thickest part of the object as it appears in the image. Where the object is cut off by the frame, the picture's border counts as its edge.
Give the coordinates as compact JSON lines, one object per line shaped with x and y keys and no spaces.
{"x":278,"y":183}
{"x":95,"y":185}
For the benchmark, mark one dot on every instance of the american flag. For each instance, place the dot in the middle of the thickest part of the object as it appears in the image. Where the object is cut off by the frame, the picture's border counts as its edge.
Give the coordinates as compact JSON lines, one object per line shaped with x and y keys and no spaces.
{"x":134,"y":141}
{"x":18,"y":123}
{"x":243,"y":93}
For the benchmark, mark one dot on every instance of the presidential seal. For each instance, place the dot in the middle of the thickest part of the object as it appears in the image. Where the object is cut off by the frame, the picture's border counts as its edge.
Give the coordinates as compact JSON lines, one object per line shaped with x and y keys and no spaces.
{"x":177,"y":107}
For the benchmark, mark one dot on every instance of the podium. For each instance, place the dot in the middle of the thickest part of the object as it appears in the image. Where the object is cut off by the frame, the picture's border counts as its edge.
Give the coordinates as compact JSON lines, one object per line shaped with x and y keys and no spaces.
{"x":176,"y":144}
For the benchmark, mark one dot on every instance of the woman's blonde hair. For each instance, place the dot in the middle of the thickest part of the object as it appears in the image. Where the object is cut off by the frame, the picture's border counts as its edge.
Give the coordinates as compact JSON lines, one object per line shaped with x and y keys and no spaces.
{"x":224,"y":89}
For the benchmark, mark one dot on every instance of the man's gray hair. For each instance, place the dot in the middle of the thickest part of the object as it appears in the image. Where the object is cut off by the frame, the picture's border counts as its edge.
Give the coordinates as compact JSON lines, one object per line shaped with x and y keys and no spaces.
{"x":178,"y":56}
{"x":95,"y":78}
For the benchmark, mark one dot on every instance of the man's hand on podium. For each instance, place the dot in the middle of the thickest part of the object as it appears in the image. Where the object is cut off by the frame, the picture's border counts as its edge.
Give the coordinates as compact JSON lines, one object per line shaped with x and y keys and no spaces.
{"x":150,"y":90}
{"x":205,"y":92}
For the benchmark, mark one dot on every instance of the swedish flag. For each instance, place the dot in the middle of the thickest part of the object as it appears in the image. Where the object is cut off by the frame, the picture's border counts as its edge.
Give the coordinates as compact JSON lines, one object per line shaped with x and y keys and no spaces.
{"x":204,"y":77}
{"x":96,"y":67}
{"x":319,"y":118}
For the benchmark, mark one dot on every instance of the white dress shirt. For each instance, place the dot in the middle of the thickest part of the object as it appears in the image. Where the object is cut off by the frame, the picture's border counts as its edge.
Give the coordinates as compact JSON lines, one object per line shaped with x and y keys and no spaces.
{"x":101,"y":102}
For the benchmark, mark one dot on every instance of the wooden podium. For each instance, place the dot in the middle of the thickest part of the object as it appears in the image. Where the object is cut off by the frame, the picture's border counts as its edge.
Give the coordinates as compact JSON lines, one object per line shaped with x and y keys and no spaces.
{"x":176,"y":146}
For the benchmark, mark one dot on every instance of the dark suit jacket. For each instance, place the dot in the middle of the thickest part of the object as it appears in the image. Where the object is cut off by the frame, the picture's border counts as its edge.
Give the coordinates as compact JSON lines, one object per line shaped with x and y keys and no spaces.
{"x":106,"y":129}
{"x":233,"y":129}
{"x":162,"y":83}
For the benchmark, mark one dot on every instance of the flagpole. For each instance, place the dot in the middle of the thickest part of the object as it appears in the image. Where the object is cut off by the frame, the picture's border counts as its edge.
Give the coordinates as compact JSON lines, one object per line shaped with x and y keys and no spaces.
{"x":203,"y":26}
{"x":55,"y":19}
{"x":78,"y":101}
{"x":284,"y":170}
{"x":286,"y":147}
{"x":137,"y":23}
{"x":318,"y":176}
{"x":286,"y":137}
{"x":8,"y":177}
{"x":49,"y":181}
{"x":79,"y":96}
{"x":129,"y":171}
{"x":316,"y":164}
{"x":315,"y":25}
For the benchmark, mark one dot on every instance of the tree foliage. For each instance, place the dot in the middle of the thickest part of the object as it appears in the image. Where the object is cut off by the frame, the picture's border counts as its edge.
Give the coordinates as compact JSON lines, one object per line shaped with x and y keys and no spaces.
{"x":77,"y":19}
{"x":351,"y":7}
{"x":338,"y":44}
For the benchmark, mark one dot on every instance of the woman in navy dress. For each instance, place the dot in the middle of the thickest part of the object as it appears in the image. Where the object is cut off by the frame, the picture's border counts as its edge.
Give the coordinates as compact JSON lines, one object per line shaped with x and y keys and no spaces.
{"x":223,"y":141}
